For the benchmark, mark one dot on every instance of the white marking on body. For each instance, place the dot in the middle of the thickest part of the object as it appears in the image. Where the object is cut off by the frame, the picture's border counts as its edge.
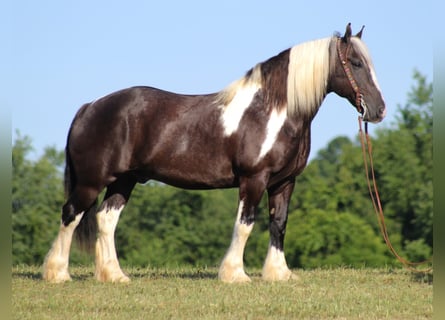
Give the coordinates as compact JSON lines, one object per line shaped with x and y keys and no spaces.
{"x":107,"y":264}
{"x":232,"y":267}
{"x":234,"y":110}
{"x":275,"y":267}
{"x":274,"y":126}
{"x":55,"y":267}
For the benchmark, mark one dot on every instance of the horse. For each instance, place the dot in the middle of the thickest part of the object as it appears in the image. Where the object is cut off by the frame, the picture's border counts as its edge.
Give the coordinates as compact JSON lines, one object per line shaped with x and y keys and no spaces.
{"x":253,"y":135}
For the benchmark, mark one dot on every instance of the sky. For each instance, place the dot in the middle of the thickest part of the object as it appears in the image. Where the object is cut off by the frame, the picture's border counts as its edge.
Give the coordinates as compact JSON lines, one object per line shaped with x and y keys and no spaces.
{"x":62,"y":54}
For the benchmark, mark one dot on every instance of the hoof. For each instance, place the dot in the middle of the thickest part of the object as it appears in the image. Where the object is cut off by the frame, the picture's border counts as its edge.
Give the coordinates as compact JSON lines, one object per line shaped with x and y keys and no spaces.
{"x":111,"y":274}
{"x":55,"y":271}
{"x":279,"y":275}
{"x":230,"y":274}
{"x":122,"y":279}
{"x":115,"y":278}
{"x":112,"y":278}
{"x":56,"y":276}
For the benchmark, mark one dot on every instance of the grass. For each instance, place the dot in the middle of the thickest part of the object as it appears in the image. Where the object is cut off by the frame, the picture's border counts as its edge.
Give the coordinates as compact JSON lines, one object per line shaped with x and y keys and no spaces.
{"x":193,"y":293}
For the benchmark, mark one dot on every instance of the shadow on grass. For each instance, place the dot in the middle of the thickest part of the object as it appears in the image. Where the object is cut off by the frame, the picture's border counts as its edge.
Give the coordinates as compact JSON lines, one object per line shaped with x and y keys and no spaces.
{"x":422,"y":277}
{"x":85,"y":273}
{"x":36,"y":274}
{"x":33,"y":275}
{"x":192,"y":274}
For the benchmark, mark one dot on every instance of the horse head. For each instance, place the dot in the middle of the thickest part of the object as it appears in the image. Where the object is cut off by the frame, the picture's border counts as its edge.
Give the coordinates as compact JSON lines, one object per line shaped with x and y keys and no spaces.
{"x":353,"y":76}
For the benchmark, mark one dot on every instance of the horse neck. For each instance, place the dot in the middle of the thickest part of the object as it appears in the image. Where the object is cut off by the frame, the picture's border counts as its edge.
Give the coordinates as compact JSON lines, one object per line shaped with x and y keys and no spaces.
{"x":310,"y":68}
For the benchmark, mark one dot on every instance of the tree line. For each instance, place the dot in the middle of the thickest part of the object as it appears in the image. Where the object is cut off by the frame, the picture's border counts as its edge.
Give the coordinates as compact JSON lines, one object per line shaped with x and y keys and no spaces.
{"x":331,"y":218}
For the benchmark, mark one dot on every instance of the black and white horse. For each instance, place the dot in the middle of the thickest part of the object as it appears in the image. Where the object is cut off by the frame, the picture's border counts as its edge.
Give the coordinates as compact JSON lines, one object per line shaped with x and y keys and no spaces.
{"x":254,"y":135}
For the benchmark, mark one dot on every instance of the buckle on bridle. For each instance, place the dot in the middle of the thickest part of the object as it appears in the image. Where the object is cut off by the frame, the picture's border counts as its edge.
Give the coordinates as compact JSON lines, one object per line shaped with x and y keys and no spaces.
{"x":361,"y":106}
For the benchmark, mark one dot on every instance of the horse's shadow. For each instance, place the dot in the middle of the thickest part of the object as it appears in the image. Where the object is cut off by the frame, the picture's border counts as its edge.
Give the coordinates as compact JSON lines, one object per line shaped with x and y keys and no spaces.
{"x":134,"y":274}
{"x":155,"y":274}
{"x":422,"y":277}
{"x":169,"y":274}
{"x":32,"y":275}
{"x":37,"y":275}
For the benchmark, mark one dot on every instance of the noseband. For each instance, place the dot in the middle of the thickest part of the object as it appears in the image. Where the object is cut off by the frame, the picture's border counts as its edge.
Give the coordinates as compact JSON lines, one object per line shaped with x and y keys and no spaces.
{"x":360,"y":103}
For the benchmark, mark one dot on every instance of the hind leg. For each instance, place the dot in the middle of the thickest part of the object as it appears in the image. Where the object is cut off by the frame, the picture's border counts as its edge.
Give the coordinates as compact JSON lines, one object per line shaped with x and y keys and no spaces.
{"x":107,"y":263}
{"x":55,"y":266}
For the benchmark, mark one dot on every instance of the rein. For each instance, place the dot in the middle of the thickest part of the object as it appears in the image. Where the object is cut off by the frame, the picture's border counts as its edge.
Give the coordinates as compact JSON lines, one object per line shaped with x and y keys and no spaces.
{"x":367,"y":147}
{"x":374,"y":193}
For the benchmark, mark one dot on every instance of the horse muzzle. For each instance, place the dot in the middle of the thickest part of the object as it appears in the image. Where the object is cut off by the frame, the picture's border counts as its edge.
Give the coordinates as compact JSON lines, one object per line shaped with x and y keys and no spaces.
{"x":372,"y":114}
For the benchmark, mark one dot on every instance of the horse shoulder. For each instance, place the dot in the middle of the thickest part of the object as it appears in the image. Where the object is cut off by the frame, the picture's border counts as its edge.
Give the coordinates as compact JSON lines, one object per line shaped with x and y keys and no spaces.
{"x":291,"y":150}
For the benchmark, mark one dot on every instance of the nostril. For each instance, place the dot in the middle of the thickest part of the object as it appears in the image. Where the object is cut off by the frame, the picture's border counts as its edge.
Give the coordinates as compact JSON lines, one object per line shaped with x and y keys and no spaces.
{"x":382,"y":111}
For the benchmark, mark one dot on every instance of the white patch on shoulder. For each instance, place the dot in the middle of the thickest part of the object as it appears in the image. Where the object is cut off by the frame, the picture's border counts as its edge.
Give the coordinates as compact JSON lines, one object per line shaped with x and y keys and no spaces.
{"x":274,"y":126}
{"x":233,"y":112}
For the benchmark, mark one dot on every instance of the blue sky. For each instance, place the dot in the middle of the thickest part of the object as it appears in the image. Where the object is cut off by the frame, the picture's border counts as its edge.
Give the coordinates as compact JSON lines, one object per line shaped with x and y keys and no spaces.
{"x":63,"y":54}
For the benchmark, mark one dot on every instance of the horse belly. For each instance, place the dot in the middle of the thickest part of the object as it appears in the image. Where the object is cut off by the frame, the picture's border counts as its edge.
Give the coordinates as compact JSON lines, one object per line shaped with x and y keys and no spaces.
{"x":192,"y":172}
{"x":193,"y":158}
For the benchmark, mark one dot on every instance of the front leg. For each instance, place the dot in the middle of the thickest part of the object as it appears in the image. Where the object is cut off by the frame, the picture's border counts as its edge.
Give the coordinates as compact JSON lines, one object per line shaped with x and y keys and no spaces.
{"x":232,"y":266}
{"x":275,"y":267}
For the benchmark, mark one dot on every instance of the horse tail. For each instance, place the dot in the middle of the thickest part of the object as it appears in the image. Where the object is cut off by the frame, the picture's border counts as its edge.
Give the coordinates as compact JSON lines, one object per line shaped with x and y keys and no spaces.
{"x":85,"y":233}
{"x":69,"y":176}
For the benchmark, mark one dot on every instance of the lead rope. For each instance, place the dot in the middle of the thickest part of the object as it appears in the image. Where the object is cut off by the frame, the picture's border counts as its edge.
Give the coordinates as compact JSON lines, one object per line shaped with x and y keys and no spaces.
{"x":373,"y":192}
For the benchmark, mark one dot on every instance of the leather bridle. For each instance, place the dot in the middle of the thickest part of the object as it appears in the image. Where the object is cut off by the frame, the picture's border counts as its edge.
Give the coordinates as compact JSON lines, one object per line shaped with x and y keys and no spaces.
{"x":360,"y":103}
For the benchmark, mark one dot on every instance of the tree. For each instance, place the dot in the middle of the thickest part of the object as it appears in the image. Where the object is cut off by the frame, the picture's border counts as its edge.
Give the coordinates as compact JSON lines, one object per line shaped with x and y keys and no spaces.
{"x":37,"y":196}
{"x":405,"y":168}
{"x":331,"y":238}
{"x":163,"y":225}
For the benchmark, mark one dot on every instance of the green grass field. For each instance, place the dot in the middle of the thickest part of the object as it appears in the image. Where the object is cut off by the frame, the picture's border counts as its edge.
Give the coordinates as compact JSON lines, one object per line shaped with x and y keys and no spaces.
{"x":192,"y":293}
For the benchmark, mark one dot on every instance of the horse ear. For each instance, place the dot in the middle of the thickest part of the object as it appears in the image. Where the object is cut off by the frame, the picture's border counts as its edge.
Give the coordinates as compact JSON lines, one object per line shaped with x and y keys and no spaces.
{"x":359,"y":34}
{"x":348,"y":33}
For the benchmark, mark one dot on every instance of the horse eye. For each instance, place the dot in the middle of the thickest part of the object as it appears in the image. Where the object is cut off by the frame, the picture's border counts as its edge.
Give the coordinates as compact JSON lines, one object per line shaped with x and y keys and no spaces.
{"x":356,"y":63}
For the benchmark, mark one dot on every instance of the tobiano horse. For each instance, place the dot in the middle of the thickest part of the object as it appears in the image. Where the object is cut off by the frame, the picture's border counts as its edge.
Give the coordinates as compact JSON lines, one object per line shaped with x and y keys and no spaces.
{"x":253,"y":135}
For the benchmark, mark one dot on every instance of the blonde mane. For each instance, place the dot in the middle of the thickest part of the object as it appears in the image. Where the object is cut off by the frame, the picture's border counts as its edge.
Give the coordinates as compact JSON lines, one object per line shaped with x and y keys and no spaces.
{"x":225,"y":96}
{"x":307,"y":77}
